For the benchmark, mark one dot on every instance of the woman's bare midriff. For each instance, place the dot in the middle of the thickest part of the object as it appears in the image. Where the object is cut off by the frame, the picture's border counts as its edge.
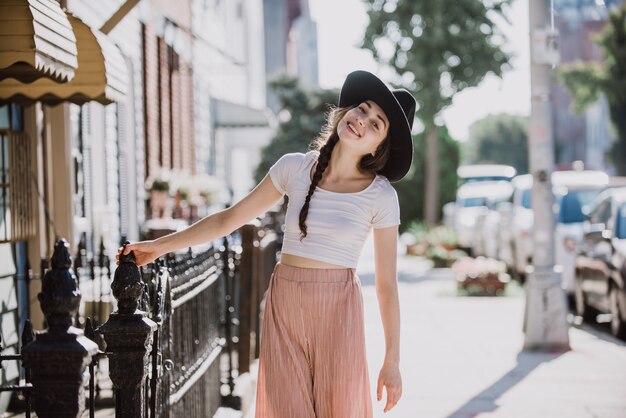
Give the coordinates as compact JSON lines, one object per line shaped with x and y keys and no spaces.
{"x":297,"y":261}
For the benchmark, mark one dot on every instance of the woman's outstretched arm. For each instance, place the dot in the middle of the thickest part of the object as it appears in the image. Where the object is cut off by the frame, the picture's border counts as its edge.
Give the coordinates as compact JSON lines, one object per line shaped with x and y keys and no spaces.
{"x":213,"y":226}
{"x":385,"y":249}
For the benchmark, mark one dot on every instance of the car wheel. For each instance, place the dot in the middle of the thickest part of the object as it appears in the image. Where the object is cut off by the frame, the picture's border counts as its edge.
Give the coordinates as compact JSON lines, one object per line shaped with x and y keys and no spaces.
{"x":582,"y":309}
{"x":618,"y":324}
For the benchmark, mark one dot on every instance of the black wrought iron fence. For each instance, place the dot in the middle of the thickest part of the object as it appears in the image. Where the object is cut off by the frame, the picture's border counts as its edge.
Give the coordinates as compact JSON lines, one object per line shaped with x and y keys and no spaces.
{"x":175,"y":320}
{"x":93,"y":272}
{"x":189,"y":306}
{"x":24,"y":386}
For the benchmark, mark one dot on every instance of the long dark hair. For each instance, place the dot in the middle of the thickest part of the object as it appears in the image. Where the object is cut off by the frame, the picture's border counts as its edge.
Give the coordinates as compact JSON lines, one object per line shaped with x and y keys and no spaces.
{"x":325,"y":143}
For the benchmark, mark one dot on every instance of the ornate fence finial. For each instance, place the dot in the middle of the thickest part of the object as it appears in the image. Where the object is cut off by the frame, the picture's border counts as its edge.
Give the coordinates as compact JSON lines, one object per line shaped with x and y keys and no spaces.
{"x":59,"y":296}
{"x":127,"y":285}
{"x":128,"y":337}
{"x":58,"y":385}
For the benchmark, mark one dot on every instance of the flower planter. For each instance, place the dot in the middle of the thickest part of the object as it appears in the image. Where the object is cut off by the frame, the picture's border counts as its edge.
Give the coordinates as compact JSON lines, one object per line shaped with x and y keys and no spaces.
{"x":490,"y":285}
{"x":480,"y":277}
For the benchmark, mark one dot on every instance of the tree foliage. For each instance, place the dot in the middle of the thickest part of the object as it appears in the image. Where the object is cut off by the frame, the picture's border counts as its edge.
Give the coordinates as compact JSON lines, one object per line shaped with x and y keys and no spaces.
{"x":437,"y":48}
{"x":587,"y":80}
{"x":411,"y":188}
{"x":499,"y":139}
{"x":303,"y":114}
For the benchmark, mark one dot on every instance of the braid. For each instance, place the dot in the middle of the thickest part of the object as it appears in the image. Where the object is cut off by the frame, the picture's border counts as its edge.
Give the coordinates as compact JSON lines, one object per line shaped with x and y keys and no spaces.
{"x":322,"y":164}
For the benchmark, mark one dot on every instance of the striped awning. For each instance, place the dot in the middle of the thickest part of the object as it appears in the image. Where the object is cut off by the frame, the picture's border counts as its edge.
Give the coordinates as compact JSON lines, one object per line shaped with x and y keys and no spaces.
{"x":102,"y":74}
{"x":36,"y":40}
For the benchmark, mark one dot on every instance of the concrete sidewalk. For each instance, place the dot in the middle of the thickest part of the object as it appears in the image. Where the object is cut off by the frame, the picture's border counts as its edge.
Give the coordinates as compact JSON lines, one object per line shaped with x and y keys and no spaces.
{"x":461,"y":356}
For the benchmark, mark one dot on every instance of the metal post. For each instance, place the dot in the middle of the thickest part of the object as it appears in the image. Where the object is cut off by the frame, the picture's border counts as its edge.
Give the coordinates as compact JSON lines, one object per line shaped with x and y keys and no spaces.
{"x":230,"y":400}
{"x":128,"y":336}
{"x":545,"y":323}
{"x":89,"y":333}
{"x":58,"y":357}
{"x":246,"y":300}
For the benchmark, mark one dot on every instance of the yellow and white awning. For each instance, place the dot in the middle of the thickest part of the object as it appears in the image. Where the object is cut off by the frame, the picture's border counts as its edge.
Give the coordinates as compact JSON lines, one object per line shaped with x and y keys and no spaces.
{"x":101,"y":76}
{"x":36,"y":40}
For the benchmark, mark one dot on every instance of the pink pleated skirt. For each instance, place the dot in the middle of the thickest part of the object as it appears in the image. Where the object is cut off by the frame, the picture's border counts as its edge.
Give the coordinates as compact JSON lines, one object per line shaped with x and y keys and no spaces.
{"x":312,"y":356}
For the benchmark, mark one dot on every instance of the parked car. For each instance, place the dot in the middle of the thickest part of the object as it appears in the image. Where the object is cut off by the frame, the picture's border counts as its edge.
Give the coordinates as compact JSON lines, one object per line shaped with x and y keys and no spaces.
{"x":504,"y":233}
{"x":516,"y":241}
{"x":574,"y":192}
{"x":471,"y":205}
{"x":470,"y":201}
{"x":488,"y":224}
{"x":485,"y":172}
{"x":601,"y":262}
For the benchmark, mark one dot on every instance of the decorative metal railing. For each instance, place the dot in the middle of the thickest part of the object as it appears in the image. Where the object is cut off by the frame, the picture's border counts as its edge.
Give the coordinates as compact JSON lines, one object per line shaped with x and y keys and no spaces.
{"x":183,"y":327}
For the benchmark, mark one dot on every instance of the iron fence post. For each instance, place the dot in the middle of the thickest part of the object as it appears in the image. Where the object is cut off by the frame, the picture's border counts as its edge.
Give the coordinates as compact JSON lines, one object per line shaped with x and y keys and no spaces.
{"x":58,"y":357}
{"x":128,"y":335}
{"x":230,"y":400}
{"x":246,"y":269}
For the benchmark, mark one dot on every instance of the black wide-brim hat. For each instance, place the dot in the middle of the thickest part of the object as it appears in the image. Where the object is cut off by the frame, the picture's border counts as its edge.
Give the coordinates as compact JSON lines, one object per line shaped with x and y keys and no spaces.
{"x":399,"y":107}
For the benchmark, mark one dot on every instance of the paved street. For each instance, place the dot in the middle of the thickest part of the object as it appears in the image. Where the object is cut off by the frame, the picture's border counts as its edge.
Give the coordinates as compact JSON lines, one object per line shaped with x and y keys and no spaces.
{"x":461,"y":356}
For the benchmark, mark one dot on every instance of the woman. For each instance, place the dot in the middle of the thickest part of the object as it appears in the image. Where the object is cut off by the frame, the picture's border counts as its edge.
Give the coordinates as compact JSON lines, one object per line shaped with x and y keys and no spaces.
{"x":312,"y":356}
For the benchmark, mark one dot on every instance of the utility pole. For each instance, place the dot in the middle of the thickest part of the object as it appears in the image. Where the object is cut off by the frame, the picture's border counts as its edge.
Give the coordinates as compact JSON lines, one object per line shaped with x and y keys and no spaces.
{"x":545,"y":322}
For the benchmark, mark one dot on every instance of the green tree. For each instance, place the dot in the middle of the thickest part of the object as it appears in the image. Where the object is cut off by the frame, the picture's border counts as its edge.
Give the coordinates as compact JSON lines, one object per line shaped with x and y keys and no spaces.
{"x":438,"y":48}
{"x":411,"y":188}
{"x":587,"y":80}
{"x":499,"y":139}
{"x":302,"y":116}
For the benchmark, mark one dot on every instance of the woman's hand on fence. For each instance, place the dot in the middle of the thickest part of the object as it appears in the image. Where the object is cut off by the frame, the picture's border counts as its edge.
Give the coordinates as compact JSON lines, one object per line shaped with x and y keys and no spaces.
{"x":145,"y":252}
{"x":389,"y":378}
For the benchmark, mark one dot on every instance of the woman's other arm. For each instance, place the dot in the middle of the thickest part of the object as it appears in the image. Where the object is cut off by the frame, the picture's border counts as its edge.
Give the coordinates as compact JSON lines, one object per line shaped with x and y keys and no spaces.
{"x":213,"y":226}
{"x":385,"y":249}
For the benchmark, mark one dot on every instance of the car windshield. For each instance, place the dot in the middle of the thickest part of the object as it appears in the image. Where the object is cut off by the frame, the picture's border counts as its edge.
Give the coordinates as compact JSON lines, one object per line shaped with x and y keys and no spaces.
{"x":621,"y":222}
{"x":486,"y":178}
{"x":526,"y":198}
{"x":471,"y":202}
{"x":572,"y":204}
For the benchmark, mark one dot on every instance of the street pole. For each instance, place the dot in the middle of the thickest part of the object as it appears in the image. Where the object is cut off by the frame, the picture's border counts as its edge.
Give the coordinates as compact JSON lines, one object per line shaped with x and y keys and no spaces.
{"x":545,"y":322}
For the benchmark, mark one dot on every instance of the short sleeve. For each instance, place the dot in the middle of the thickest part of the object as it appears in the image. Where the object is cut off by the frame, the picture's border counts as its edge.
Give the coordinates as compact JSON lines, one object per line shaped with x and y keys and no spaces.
{"x":387,"y":208}
{"x":283,"y":170}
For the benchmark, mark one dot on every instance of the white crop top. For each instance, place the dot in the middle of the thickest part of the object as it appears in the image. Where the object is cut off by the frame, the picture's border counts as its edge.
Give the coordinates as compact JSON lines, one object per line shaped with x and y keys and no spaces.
{"x":337,"y":223}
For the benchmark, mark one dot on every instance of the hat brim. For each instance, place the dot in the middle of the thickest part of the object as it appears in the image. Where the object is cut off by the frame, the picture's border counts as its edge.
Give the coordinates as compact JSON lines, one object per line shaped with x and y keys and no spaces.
{"x":361,"y":86}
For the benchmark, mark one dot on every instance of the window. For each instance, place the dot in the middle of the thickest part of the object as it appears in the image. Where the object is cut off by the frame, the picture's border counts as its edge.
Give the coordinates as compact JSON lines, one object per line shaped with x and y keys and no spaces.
{"x":16,"y":177}
{"x":472,"y":202}
{"x":572,"y":204}
{"x":601,"y":213}
{"x":527,"y":198}
{"x":620,"y":226}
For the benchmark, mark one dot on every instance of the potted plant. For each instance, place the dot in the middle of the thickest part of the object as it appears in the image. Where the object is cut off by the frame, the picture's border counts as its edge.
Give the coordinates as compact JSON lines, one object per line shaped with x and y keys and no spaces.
{"x":480,"y":276}
{"x":159,"y":187}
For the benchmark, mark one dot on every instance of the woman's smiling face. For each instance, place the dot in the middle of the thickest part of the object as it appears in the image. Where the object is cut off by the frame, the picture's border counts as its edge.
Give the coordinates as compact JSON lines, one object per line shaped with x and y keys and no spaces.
{"x":364,"y":127}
